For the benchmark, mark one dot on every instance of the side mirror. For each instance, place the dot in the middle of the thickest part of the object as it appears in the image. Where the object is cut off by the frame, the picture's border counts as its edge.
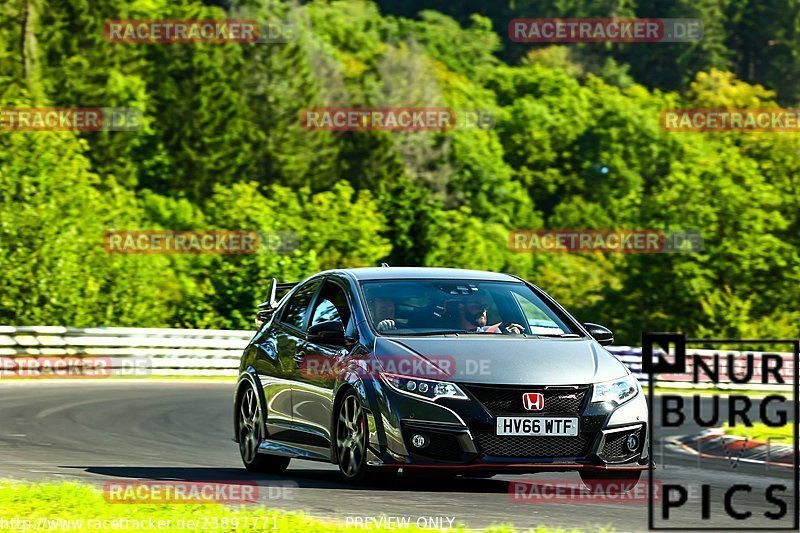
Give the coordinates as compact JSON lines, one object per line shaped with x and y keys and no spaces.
{"x":330,"y":332}
{"x":600,"y":333}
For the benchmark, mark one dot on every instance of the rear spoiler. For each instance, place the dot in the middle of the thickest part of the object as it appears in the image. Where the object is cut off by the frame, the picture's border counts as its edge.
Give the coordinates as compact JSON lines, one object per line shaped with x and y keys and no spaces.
{"x":273,"y":293}
{"x":265,"y":309}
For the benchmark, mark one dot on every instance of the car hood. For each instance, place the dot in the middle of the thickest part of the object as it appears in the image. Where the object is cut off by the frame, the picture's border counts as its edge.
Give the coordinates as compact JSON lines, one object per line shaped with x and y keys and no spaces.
{"x":493,"y":360}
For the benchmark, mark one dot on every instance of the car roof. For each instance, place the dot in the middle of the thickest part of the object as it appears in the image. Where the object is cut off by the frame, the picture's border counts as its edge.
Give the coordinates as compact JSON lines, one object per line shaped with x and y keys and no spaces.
{"x":377,"y":273}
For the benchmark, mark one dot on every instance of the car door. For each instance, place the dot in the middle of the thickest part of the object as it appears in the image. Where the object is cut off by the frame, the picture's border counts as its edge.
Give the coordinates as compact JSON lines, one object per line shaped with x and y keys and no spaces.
{"x":283,"y":339}
{"x":318,"y":364}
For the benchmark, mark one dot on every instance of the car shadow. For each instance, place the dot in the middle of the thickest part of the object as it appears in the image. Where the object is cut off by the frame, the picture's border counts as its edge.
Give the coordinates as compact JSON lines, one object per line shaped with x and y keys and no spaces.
{"x":300,"y":478}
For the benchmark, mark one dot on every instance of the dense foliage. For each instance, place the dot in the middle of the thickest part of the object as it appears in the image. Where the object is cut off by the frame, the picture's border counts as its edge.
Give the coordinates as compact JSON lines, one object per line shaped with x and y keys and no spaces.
{"x":758,"y":40}
{"x":574,"y":146}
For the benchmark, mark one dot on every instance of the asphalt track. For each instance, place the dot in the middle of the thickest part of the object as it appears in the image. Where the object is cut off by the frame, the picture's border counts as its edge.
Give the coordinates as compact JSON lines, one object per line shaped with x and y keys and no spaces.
{"x":155,"y":430}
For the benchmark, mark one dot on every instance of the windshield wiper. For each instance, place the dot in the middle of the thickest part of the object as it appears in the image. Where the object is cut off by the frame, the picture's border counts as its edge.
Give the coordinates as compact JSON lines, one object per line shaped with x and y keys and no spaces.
{"x":442,"y":332}
{"x":559,"y":335}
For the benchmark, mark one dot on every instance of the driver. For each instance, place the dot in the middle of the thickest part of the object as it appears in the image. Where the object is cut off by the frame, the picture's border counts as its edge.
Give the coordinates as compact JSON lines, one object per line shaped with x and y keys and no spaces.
{"x":472,"y":317}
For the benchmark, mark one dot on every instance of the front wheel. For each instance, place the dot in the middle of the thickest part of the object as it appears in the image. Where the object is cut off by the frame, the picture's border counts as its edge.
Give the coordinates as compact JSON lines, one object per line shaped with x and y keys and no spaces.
{"x":611,"y":482}
{"x":351,"y":440}
{"x":251,"y":424}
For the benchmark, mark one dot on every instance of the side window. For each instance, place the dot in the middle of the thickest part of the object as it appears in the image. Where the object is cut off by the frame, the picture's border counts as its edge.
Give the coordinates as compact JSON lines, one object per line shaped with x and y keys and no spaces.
{"x":324,"y":312}
{"x":331,"y":305}
{"x":297,"y":307}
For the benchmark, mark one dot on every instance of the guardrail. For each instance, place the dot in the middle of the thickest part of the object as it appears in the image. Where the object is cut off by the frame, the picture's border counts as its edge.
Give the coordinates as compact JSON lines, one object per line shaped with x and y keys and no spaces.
{"x":124,"y":351}
{"x":199,"y":352}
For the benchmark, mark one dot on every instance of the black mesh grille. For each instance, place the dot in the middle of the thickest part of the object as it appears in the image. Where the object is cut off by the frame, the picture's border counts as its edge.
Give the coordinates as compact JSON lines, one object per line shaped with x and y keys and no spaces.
{"x":615,"y":446}
{"x":443,"y":446}
{"x":531,"y":447}
{"x":508,"y":400}
{"x":440,"y":445}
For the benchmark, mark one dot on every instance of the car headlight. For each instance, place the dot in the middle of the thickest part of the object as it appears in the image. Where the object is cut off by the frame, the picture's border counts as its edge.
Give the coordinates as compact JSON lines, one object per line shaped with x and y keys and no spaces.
{"x":423,"y":388}
{"x":618,"y":390}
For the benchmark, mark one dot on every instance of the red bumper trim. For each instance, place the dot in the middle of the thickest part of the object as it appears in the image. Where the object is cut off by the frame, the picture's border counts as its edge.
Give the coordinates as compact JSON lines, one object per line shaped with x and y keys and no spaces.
{"x":530,"y":467}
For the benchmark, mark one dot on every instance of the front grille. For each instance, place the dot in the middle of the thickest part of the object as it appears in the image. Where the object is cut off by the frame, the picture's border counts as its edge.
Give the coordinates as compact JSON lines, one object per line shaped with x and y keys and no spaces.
{"x":508,"y":400}
{"x":615,"y":447}
{"x":533,"y":447}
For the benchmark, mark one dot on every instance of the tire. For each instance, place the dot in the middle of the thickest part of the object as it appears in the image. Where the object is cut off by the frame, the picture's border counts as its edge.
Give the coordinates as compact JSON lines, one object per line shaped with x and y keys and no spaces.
{"x":350,"y":438}
{"x":250,"y":421}
{"x":610,"y":482}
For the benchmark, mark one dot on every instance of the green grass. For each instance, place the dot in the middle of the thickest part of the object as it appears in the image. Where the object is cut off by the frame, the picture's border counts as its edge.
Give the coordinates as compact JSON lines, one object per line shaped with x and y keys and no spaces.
{"x":81,"y":504}
{"x":761,"y":432}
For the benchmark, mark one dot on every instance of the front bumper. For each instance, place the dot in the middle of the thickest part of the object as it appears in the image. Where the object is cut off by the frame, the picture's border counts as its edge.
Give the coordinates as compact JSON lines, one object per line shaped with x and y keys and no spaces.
{"x":461,"y":433}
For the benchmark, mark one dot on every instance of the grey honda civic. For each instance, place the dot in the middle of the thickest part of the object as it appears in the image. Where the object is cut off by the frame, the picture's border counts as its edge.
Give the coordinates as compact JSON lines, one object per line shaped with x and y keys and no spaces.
{"x":457,"y":372}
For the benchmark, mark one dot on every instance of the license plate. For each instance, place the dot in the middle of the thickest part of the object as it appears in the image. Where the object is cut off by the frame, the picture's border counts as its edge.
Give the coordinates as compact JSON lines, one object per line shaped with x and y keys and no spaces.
{"x":537,"y":426}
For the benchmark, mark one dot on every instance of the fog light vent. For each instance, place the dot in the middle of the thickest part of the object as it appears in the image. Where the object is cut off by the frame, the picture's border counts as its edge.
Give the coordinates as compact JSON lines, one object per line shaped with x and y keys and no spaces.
{"x":419,"y":441}
{"x":622,"y":445}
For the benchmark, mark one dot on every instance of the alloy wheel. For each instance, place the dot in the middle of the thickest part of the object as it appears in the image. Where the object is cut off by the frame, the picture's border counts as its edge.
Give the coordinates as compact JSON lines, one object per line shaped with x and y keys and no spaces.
{"x":249,"y":426}
{"x":350,"y":433}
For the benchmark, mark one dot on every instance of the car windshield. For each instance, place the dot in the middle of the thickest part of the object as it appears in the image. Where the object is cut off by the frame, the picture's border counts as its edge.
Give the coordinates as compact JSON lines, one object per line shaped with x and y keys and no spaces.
{"x":433,"y":307}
